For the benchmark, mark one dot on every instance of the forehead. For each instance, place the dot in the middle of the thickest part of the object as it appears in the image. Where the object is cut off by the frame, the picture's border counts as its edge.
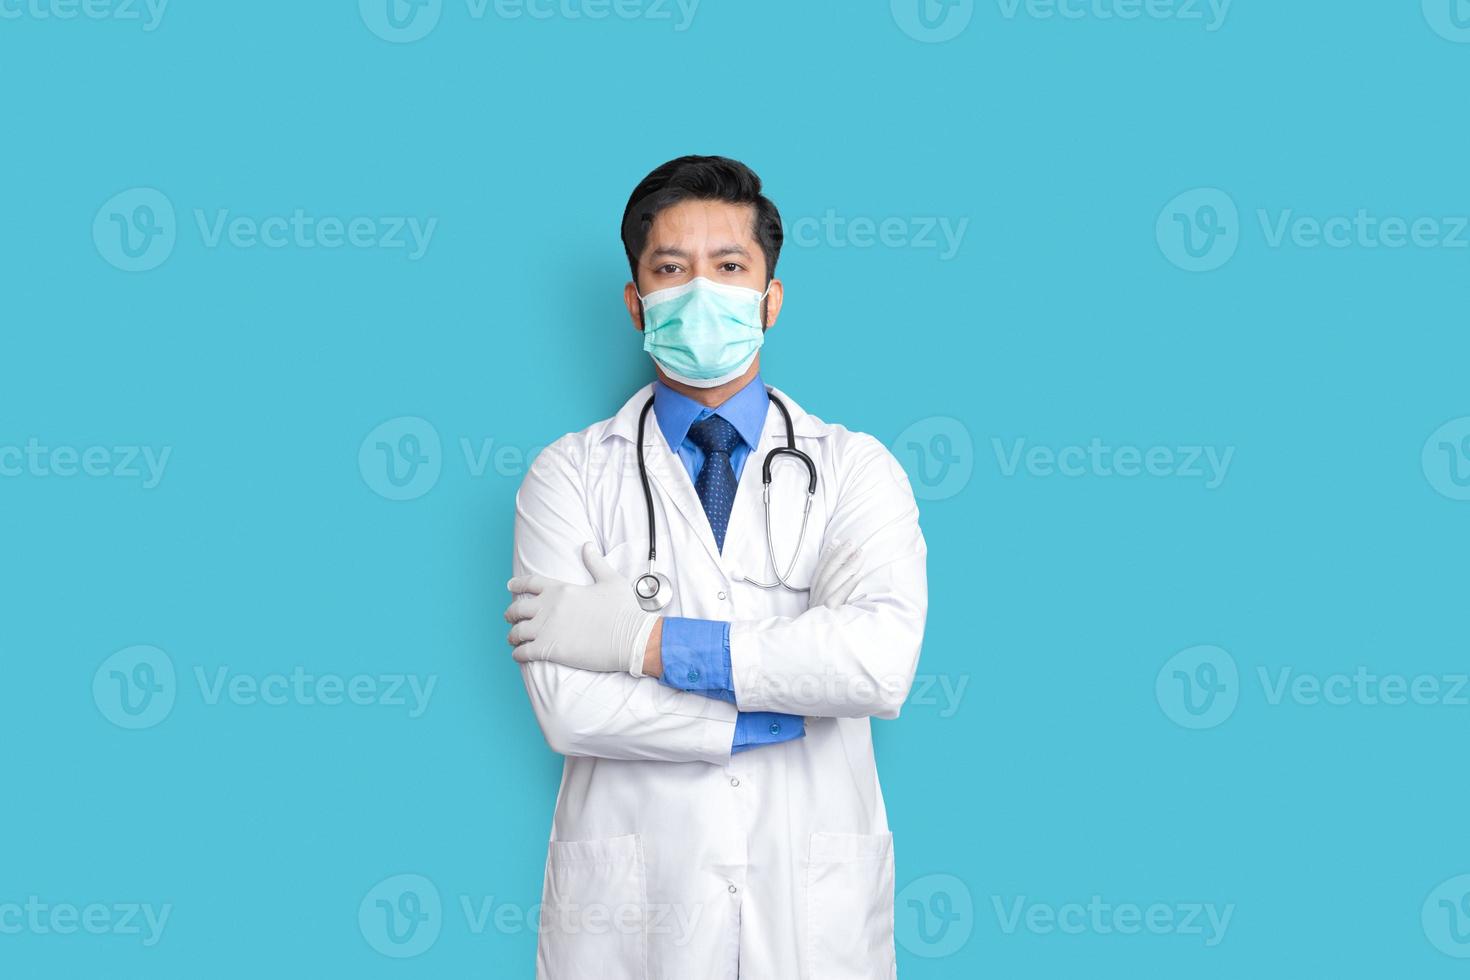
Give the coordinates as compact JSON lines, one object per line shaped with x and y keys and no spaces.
{"x":702,"y":221}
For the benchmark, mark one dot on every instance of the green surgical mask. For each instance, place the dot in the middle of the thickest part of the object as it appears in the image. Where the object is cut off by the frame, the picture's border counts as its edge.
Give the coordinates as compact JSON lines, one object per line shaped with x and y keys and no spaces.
{"x":703,"y":333}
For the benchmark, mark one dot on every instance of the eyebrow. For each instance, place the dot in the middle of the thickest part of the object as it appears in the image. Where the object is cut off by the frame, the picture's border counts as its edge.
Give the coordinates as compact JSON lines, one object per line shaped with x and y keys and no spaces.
{"x":674,"y":252}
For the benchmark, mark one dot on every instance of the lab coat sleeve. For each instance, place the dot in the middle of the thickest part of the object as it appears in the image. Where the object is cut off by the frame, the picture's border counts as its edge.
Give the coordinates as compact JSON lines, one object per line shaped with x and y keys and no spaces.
{"x":590,"y":713}
{"x":859,"y":659}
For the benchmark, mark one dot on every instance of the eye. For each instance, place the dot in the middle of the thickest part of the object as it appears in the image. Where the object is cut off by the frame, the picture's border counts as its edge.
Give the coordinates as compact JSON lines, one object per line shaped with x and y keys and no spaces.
{"x":732,"y":267}
{"x":668,"y":269}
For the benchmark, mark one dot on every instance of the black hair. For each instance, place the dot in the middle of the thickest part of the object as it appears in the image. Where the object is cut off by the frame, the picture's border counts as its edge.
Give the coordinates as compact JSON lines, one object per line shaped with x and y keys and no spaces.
{"x":696,"y":178}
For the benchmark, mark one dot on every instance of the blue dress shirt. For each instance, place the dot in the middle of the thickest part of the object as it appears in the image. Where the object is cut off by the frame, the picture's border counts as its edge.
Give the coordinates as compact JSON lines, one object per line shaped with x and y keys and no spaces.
{"x":696,"y":652}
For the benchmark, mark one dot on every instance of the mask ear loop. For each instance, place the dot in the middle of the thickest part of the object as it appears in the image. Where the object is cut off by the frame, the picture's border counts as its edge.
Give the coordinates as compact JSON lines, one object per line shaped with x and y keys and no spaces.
{"x":642,"y":307}
{"x":761,"y":304}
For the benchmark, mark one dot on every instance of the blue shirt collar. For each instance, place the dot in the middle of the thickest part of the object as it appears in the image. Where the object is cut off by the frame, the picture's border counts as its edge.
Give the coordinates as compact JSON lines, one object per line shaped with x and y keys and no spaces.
{"x":746,"y":410}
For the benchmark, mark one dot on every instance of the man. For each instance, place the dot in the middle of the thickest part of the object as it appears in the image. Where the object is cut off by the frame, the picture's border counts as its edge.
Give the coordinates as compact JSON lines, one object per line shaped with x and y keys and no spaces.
{"x":719,"y":812}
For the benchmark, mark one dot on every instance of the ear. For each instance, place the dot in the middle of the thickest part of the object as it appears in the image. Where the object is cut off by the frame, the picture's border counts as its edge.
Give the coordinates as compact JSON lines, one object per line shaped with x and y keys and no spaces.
{"x":634,"y":304}
{"x":772,"y":304}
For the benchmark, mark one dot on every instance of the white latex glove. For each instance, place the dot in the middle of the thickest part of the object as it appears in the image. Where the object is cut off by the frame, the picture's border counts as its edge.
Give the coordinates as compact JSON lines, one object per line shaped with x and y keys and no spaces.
{"x":837,"y":574}
{"x":592,"y":627}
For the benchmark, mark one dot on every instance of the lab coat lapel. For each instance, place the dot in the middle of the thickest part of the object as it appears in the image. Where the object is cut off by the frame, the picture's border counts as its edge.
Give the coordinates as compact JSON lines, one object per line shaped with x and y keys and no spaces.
{"x":665,"y":470}
{"x":746,"y":515}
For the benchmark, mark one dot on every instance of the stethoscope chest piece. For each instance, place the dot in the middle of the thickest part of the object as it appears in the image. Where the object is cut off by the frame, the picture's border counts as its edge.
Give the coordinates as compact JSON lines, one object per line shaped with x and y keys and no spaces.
{"x":654,"y":591}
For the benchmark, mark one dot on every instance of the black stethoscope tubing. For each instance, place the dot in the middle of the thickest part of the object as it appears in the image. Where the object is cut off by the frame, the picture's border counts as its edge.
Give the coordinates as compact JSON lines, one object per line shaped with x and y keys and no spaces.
{"x":787,"y":450}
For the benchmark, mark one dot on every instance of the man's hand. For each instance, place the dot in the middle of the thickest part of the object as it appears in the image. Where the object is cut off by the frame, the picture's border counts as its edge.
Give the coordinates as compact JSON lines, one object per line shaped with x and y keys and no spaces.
{"x":592,"y":627}
{"x":836,"y":575}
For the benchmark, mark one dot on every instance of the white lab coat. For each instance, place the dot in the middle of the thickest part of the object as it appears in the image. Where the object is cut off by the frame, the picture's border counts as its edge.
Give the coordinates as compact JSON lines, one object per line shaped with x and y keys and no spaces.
{"x":670,"y":858}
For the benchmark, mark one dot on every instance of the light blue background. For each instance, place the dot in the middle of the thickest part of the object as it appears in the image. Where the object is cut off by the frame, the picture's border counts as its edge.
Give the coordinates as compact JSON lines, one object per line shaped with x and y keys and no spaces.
{"x":1055,"y":600}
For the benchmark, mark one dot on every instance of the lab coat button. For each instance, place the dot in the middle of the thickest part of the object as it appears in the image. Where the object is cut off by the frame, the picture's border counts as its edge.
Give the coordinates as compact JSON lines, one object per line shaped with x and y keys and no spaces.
{"x":734,"y":781}
{"x":722,"y":595}
{"x":733,"y":889}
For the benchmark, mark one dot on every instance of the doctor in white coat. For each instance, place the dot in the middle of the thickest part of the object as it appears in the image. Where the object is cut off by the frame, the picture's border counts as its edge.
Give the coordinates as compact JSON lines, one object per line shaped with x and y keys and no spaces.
{"x":719,"y":813}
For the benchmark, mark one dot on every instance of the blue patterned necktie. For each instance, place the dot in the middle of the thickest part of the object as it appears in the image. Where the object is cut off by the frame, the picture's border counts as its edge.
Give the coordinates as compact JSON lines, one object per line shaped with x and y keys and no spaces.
{"x":715,"y":483}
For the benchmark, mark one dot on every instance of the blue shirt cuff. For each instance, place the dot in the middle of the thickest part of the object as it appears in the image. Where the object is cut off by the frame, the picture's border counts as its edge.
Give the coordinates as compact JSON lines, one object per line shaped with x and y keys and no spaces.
{"x":756,"y":728}
{"x":696,"y":657}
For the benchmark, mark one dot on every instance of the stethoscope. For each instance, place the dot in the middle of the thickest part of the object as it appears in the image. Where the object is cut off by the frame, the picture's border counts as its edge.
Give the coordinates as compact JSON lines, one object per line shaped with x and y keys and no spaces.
{"x":653,"y":588}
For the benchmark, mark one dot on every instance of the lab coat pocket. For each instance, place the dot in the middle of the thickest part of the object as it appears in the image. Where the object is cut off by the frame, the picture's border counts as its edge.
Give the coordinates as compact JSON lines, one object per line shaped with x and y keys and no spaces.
{"x":594,"y":913}
{"x":849,"y":907}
